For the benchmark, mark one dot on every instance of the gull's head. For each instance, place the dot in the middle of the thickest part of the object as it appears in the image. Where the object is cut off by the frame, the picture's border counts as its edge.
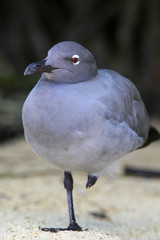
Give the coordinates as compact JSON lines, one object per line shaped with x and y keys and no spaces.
{"x":67,"y":62}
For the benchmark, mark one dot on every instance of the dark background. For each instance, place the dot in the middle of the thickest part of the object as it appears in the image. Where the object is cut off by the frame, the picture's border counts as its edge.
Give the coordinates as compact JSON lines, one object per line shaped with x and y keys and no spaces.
{"x":122,"y":35}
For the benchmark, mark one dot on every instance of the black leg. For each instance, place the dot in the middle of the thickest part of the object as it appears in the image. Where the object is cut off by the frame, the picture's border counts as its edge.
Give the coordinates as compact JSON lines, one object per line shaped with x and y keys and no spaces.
{"x":91,"y":180}
{"x":73,"y":226}
{"x":68,"y":184}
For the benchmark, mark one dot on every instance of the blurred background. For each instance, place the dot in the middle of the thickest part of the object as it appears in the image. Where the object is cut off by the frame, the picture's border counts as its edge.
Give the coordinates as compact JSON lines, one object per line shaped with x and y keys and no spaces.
{"x":122,"y":35}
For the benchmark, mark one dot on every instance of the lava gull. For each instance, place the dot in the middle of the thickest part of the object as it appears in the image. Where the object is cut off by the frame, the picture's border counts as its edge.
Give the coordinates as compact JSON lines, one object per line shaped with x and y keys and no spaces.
{"x":81,"y":118}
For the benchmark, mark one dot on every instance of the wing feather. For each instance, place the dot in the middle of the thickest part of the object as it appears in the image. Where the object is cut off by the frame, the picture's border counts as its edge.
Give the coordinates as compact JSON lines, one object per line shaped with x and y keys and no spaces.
{"x":123,"y":103}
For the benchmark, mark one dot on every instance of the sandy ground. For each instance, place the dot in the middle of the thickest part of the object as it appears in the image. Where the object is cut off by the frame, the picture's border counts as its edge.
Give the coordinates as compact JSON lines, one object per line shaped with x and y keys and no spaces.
{"x":32,"y":195}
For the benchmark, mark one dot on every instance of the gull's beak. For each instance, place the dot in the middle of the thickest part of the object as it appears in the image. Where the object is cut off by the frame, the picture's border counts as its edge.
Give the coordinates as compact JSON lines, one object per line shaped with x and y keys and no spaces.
{"x":38,"y":67}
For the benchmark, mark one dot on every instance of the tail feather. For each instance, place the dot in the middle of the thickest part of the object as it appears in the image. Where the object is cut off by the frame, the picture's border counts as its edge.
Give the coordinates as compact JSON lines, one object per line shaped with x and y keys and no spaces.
{"x":153,"y":136}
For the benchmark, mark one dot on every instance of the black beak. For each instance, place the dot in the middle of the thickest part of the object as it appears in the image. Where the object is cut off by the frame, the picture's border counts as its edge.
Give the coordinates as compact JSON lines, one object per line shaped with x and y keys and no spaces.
{"x":38,"y":67}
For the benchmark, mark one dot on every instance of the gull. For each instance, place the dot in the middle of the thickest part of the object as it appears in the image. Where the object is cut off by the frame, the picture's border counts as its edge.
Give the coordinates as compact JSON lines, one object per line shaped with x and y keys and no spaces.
{"x":81,"y":118}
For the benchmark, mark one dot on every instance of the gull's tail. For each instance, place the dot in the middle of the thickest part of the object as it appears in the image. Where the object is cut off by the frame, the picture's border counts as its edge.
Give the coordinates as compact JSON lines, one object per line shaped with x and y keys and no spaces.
{"x":153,"y":136}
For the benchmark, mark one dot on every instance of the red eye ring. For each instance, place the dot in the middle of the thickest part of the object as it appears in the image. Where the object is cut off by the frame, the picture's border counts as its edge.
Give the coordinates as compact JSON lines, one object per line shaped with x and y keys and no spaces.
{"x":75,"y":59}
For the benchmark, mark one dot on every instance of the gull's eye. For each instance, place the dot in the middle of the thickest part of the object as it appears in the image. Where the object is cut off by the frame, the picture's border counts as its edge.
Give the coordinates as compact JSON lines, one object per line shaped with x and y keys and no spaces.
{"x":75,"y":59}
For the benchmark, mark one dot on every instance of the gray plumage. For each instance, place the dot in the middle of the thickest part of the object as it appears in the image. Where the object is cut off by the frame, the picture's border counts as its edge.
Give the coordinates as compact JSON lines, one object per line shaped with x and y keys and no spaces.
{"x":81,"y":118}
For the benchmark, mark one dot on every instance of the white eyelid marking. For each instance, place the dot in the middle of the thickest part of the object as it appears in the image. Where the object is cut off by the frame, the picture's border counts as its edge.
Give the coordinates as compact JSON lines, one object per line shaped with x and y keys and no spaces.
{"x":76,"y":56}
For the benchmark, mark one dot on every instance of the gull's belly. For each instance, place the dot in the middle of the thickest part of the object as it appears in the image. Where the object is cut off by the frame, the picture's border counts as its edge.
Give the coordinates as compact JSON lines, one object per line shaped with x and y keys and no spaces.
{"x":87,"y":149}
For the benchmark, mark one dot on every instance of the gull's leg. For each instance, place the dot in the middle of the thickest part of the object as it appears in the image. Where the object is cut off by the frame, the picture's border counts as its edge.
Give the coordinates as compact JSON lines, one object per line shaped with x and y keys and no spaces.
{"x":68,"y":184}
{"x":91,"y":180}
{"x":73,"y":226}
